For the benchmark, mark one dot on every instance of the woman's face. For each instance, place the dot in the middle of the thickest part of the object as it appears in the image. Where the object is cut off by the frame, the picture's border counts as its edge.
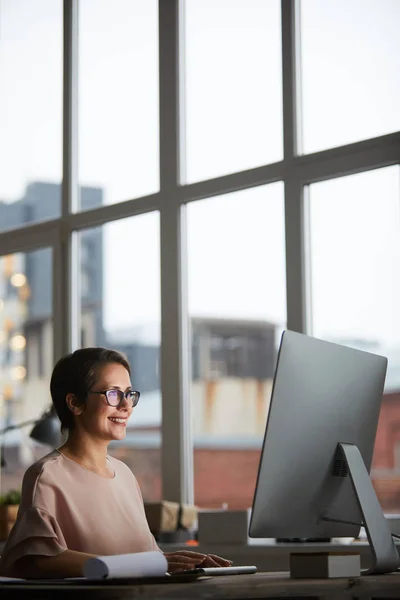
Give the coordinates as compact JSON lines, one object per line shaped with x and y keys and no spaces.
{"x":97,"y":417}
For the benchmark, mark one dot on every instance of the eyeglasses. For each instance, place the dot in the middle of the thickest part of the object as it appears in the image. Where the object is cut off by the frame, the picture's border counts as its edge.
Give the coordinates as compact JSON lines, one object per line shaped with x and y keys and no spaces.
{"x":116,"y":397}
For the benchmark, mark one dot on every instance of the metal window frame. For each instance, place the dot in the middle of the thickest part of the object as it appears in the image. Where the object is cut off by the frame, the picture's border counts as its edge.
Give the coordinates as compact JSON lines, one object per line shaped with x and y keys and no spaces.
{"x":296,"y":171}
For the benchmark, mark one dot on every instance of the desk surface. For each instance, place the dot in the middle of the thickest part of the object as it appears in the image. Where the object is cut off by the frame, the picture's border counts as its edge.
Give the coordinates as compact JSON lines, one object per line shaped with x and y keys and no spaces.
{"x":239,"y":587}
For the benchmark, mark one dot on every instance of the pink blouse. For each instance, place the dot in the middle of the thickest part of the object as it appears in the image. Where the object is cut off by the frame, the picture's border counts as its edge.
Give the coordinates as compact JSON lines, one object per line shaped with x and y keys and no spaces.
{"x":66,"y":507}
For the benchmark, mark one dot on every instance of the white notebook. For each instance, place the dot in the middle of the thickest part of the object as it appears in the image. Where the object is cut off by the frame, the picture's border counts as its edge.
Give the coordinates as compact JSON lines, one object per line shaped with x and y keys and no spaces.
{"x":139,"y":564}
{"x":148,"y":564}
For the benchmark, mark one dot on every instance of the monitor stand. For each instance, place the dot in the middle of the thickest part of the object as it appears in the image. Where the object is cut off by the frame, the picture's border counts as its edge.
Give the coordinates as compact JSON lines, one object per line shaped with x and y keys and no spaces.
{"x":385,"y":556}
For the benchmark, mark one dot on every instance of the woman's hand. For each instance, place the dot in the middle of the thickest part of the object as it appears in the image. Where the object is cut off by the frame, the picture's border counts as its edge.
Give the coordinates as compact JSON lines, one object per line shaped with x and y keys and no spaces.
{"x":186,"y":559}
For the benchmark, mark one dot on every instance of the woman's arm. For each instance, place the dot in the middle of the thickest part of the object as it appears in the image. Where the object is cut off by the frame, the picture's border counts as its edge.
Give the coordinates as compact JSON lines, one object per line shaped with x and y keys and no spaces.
{"x":66,"y":564}
{"x":70,"y":564}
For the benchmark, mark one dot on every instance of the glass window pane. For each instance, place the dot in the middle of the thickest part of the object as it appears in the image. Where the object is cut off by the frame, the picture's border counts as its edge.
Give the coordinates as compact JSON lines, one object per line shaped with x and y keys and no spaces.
{"x":237,"y":310}
{"x":233,"y":82}
{"x":31,"y":40}
{"x":26,"y":356}
{"x":355,"y":289}
{"x":120,"y":309}
{"x":350,"y":76}
{"x":118,"y":99}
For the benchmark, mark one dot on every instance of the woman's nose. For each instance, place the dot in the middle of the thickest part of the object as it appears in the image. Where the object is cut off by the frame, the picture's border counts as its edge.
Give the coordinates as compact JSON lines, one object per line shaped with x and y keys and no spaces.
{"x":125,"y":404}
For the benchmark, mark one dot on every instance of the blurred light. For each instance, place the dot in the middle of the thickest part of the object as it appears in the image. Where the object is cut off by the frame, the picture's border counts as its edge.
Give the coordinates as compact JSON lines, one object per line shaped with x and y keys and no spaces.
{"x":8,"y":264}
{"x":7,"y":392}
{"x":8,"y":324}
{"x":1,"y":304}
{"x":1,"y":400}
{"x":24,"y":292}
{"x":17,"y":342}
{"x":18,"y":373}
{"x":18,"y":279}
{"x":3,"y":336}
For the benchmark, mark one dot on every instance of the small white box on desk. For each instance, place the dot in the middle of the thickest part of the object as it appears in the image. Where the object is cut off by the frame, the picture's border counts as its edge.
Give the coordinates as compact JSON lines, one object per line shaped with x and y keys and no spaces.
{"x":223,"y":526}
{"x":323,"y":565}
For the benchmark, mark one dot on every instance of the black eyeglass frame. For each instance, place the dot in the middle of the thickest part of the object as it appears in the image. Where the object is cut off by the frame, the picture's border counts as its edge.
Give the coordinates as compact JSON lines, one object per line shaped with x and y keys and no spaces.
{"x":122,"y":395}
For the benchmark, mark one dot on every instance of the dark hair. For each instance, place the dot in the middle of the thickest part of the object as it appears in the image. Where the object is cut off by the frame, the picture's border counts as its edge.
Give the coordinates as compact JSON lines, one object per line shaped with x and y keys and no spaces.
{"x":75,"y":374}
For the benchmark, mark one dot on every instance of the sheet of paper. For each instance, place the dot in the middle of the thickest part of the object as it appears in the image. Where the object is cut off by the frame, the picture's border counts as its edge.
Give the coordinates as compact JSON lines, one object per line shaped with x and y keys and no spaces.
{"x":139,"y":564}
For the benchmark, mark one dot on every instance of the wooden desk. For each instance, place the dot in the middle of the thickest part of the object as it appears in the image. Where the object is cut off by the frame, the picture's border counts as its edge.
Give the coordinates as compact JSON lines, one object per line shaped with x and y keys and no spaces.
{"x":239,"y":587}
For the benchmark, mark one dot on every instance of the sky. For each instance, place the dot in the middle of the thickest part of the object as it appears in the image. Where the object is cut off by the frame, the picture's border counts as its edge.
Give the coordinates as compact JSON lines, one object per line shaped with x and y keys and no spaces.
{"x":350,"y":87}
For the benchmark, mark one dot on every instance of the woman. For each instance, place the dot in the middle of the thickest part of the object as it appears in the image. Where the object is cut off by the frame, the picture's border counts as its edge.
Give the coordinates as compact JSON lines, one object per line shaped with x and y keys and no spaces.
{"x":77,"y":501}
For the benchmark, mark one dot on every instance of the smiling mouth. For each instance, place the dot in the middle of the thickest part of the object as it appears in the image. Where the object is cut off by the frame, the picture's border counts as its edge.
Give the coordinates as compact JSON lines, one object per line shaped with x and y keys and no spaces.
{"x":117,"y":420}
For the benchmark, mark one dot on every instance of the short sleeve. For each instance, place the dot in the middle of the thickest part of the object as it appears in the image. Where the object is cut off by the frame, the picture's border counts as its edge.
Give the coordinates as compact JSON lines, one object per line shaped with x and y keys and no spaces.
{"x":35,"y":532}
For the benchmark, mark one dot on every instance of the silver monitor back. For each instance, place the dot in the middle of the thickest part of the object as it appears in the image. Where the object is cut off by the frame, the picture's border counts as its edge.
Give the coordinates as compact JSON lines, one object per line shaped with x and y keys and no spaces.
{"x":323,"y":394}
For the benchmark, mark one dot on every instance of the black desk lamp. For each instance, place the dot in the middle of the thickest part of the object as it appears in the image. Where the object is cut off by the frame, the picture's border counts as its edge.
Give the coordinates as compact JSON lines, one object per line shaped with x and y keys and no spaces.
{"x":46,"y":429}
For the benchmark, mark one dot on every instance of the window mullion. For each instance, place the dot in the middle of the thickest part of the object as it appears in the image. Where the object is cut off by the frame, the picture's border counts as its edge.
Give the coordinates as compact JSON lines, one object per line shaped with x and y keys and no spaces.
{"x":66,"y":264}
{"x":177,"y":473}
{"x":296,"y":299}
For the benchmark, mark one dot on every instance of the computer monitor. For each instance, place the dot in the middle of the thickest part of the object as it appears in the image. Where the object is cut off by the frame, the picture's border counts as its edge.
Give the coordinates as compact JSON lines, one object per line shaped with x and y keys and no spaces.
{"x":313,"y":478}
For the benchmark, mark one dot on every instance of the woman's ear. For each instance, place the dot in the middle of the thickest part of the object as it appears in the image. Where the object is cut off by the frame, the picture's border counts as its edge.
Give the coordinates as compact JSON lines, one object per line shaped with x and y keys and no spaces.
{"x":74,"y":405}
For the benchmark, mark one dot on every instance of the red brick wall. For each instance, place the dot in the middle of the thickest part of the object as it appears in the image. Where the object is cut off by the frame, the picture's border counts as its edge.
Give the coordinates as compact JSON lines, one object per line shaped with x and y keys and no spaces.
{"x":145,"y":463}
{"x":225,"y":476}
{"x":385,"y":473}
{"x":388,"y":434}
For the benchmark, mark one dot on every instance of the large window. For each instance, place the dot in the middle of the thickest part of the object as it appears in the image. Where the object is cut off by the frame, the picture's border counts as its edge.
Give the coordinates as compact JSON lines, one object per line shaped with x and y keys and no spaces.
{"x":31,"y":39}
{"x":118,"y":99}
{"x":120,"y":309}
{"x":237,"y":310}
{"x":355,"y":257}
{"x":233,"y":86}
{"x":236,"y":170}
{"x":355,"y":287}
{"x":26,"y":355}
{"x":350,"y":78}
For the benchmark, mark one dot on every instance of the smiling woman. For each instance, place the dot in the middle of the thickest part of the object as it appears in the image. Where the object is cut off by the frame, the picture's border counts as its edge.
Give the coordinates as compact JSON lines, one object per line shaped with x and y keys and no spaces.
{"x":78,"y":502}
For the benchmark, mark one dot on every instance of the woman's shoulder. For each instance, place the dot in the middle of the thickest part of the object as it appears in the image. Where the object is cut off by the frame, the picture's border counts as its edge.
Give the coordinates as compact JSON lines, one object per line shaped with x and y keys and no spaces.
{"x":42,"y":465}
{"x":35,"y":475}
